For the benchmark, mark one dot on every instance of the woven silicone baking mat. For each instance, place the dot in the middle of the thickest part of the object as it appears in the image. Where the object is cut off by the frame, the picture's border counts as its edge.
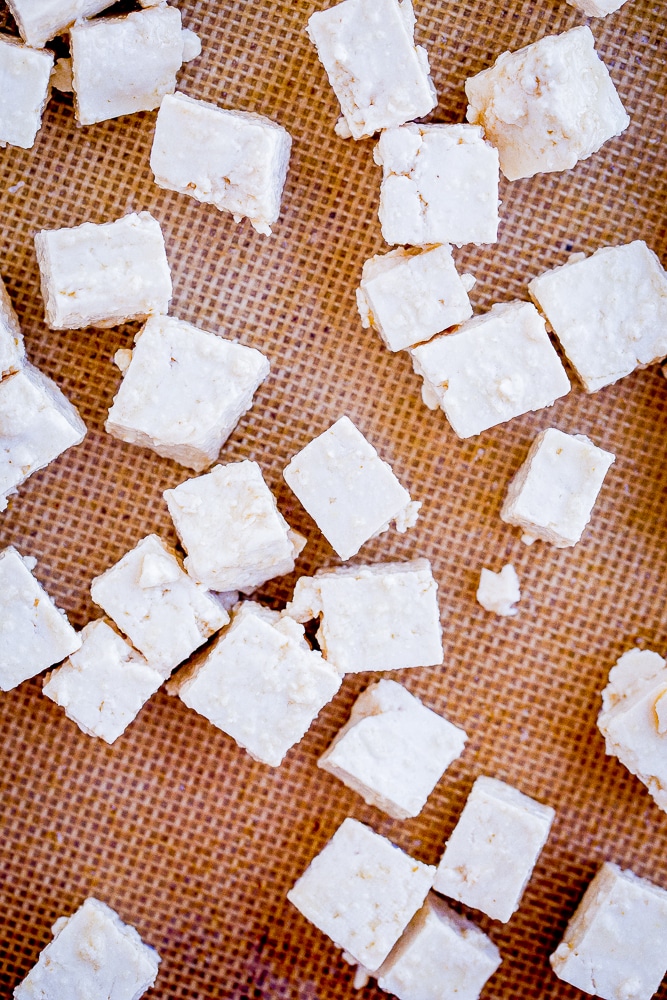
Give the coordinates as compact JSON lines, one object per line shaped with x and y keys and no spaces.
{"x":174,"y":826}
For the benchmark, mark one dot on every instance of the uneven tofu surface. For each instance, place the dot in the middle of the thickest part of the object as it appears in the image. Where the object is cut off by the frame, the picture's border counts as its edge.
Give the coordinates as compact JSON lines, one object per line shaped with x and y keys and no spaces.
{"x":41,"y":20}
{"x":597,"y":8}
{"x":499,"y":592}
{"x":12,"y":348}
{"x":24,"y":90}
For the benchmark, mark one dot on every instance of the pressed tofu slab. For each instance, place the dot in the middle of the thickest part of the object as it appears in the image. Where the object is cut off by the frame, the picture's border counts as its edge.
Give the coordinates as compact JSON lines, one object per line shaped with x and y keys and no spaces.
{"x":41,"y":20}
{"x":24,"y":90}
{"x":12,"y":348}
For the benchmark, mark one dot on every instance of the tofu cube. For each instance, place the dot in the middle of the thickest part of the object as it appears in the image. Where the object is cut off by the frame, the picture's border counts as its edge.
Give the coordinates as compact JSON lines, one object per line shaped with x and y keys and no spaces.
{"x":393,"y":750}
{"x":350,"y":493}
{"x":92,"y":954}
{"x":103,"y":275}
{"x":234,"y":160}
{"x":439,"y":185}
{"x":609,"y":311}
{"x":552,"y":495}
{"x":548,"y":105}
{"x":597,"y":8}
{"x":615,"y":945}
{"x":34,"y":633}
{"x":260,"y":683}
{"x":362,"y":892}
{"x":184,"y":391}
{"x":491,"y":369}
{"x":41,"y":20}
{"x":490,"y":856}
{"x":230,"y":526}
{"x":498,"y":592}
{"x":12,"y":349}
{"x":408,"y":295}
{"x":25,"y":76}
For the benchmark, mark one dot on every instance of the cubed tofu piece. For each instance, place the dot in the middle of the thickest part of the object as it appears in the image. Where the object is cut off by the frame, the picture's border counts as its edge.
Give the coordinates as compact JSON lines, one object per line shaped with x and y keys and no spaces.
{"x":499,"y":592}
{"x":548,"y":105}
{"x":12,"y":349}
{"x":615,"y":945}
{"x":597,"y":8}
{"x":393,"y":750}
{"x":609,"y":311}
{"x":490,"y":856}
{"x":41,"y":20}
{"x":362,"y":892}
{"x":93,"y":954}
{"x":153,"y":601}
{"x":234,"y":160}
{"x":25,"y":76}
{"x":552,"y":495}
{"x":34,"y":633}
{"x":230,"y":526}
{"x":383,"y":616}
{"x":439,"y":185}
{"x":260,"y":683}
{"x":350,"y":493}
{"x":184,"y":391}
{"x":491,"y":369}
{"x":103,"y":275}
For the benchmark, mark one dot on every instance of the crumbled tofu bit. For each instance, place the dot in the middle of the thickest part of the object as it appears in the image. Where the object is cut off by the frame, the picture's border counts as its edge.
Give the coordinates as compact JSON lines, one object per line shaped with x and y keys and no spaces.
{"x":498,"y":592}
{"x":552,"y":495}
{"x":191,"y":45}
{"x":34,"y":633}
{"x":548,"y":105}
{"x":39,"y":21}
{"x":184,"y":391}
{"x":609,"y":311}
{"x":25,"y":76}
{"x":103,"y":275}
{"x":92,"y":954}
{"x":350,"y":493}
{"x":490,"y":856}
{"x":379,"y":76}
{"x":122,"y":359}
{"x":615,"y":945}
{"x":12,"y":348}
{"x":597,"y":8}
{"x":234,"y":160}
{"x":61,"y":76}
{"x":492,"y":368}
{"x":439,"y":185}
{"x":362,"y":891}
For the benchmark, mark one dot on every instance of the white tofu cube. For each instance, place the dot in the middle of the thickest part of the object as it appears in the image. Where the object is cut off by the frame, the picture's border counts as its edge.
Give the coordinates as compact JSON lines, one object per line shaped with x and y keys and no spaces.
{"x":597,"y":8}
{"x":552,"y":495}
{"x":615,"y":945}
{"x":153,"y":601}
{"x":439,"y":185}
{"x":409,"y":295}
{"x":498,"y":592}
{"x":491,"y":369}
{"x":490,"y":856}
{"x":379,"y":76}
{"x":260,"y":683}
{"x":184,"y":391}
{"x":93,"y":954}
{"x":609,"y":311}
{"x":375,"y":617}
{"x":103,"y":275}
{"x":362,"y":892}
{"x":104,"y":684}
{"x":34,"y":633}
{"x":234,"y":160}
{"x":393,"y":750}
{"x":41,"y":20}
{"x":37,"y":424}
{"x":548,"y":105}
{"x":24,"y":90}
{"x":350,"y":493}
{"x":12,"y":349}
{"x":230,"y":526}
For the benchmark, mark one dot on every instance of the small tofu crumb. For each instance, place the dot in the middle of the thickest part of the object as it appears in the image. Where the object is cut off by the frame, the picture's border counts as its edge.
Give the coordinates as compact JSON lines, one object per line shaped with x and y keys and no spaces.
{"x":498,"y":592}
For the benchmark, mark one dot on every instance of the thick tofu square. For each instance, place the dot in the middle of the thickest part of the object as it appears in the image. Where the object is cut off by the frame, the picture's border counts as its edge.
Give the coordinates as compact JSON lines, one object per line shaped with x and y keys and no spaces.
{"x":548,"y":105}
{"x":393,"y":750}
{"x":362,"y":892}
{"x":41,"y":20}
{"x":12,"y":349}
{"x":234,"y":160}
{"x":184,"y":390}
{"x":25,"y":76}
{"x":439,"y":185}
{"x":492,"y":368}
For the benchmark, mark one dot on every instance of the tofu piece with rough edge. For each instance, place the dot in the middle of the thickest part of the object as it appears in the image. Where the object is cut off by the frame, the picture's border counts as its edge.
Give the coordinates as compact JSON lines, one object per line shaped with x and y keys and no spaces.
{"x":439,"y":185}
{"x":552,"y":495}
{"x":615,"y":945}
{"x":494,"y":367}
{"x":149,"y":596}
{"x":230,"y":526}
{"x":260,"y":683}
{"x":499,"y":592}
{"x":490,"y":856}
{"x":103,"y":275}
{"x":25,"y":87}
{"x":93,"y":954}
{"x":393,"y":750}
{"x":350,"y":493}
{"x":184,"y":390}
{"x":597,"y":8}
{"x":12,"y":348}
{"x":362,"y":891}
{"x":39,"y":21}
{"x":235,"y":160}
{"x":34,"y":633}
{"x":547,"y":105}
